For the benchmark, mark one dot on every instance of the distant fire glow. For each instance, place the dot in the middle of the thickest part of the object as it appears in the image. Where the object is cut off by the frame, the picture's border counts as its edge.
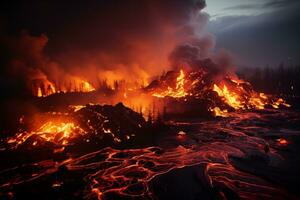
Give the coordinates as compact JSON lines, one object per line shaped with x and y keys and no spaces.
{"x":235,"y":93}
{"x":45,"y":88}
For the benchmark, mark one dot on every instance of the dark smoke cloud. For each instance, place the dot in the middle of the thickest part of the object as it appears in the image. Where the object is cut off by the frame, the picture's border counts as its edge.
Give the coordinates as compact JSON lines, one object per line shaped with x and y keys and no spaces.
{"x":188,"y":53}
{"x":103,"y":39}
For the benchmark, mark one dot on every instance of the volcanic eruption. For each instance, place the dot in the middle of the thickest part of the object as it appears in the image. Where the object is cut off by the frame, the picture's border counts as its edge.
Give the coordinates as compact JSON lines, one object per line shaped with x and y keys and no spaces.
{"x":131,"y":99}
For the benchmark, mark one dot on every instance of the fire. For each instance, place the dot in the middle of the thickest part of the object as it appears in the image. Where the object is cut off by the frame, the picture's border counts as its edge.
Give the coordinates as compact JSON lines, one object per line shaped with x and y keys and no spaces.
{"x":231,"y":98}
{"x":86,"y":87}
{"x":238,"y":98}
{"x":179,"y":90}
{"x":55,"y":132}
{"x":218,"y":112}
{"x":235,"y":94}
{"x":39,"y":94}
{"x":46,"y":88}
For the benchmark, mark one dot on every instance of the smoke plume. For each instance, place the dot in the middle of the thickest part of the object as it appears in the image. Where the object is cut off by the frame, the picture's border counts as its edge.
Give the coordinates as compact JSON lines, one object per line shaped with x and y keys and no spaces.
{"x":106,"y":40}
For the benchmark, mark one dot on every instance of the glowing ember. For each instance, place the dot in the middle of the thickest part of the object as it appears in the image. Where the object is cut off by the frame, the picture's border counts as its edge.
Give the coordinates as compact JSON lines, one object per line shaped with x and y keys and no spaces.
{"x":55,"y":132}
{"x":282,"y":141}
{"x":179,"y":90}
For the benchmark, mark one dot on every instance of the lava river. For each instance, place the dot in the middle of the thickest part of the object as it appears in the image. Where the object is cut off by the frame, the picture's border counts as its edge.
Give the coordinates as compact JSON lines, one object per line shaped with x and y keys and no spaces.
{"x":249,"y":155}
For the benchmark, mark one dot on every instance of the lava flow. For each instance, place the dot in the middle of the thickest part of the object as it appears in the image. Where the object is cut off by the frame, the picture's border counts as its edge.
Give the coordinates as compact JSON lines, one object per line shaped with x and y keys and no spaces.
{"x":222,"y":152}
{"x":134,"y":99}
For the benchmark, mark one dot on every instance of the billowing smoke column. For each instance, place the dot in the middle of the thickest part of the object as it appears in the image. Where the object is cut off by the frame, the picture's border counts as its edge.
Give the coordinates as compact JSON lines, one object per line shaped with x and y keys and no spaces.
{"x":104,"y":40}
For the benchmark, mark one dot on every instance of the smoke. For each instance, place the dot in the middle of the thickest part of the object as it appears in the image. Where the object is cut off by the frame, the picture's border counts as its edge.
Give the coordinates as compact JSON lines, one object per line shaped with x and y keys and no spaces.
{"x":190,"y":52}
{"x":107,"y":40}
{"x":128,"y":39}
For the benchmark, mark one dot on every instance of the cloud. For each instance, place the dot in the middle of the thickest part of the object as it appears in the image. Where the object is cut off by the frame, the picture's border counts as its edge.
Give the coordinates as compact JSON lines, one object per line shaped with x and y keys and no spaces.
{"x":263,"y":5}
{"x":279,"y":3}
{"x":243,"y":7}
{"x":268,"y":38}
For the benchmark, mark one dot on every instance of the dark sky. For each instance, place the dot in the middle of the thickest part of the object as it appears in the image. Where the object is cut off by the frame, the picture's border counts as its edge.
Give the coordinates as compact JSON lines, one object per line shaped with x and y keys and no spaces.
{"x":85,"y":23}
{"x":256,"y":32}
{"x":105,"y":33}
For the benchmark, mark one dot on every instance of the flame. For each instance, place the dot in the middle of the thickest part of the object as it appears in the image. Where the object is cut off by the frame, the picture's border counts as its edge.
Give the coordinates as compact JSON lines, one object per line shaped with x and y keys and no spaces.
{"x":241,"y":99}
{"x":55,"y":132}
{"x":259,"y":102}
{"x":179,"y":90}
{"x":231,"y":98}
{"x":39,"y":93}
{"x":76,"y":84}
{"x":45,"y":88}
{"x":219,"y":113}
{"x":236,"y":93}
{"x":87,"y":87}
